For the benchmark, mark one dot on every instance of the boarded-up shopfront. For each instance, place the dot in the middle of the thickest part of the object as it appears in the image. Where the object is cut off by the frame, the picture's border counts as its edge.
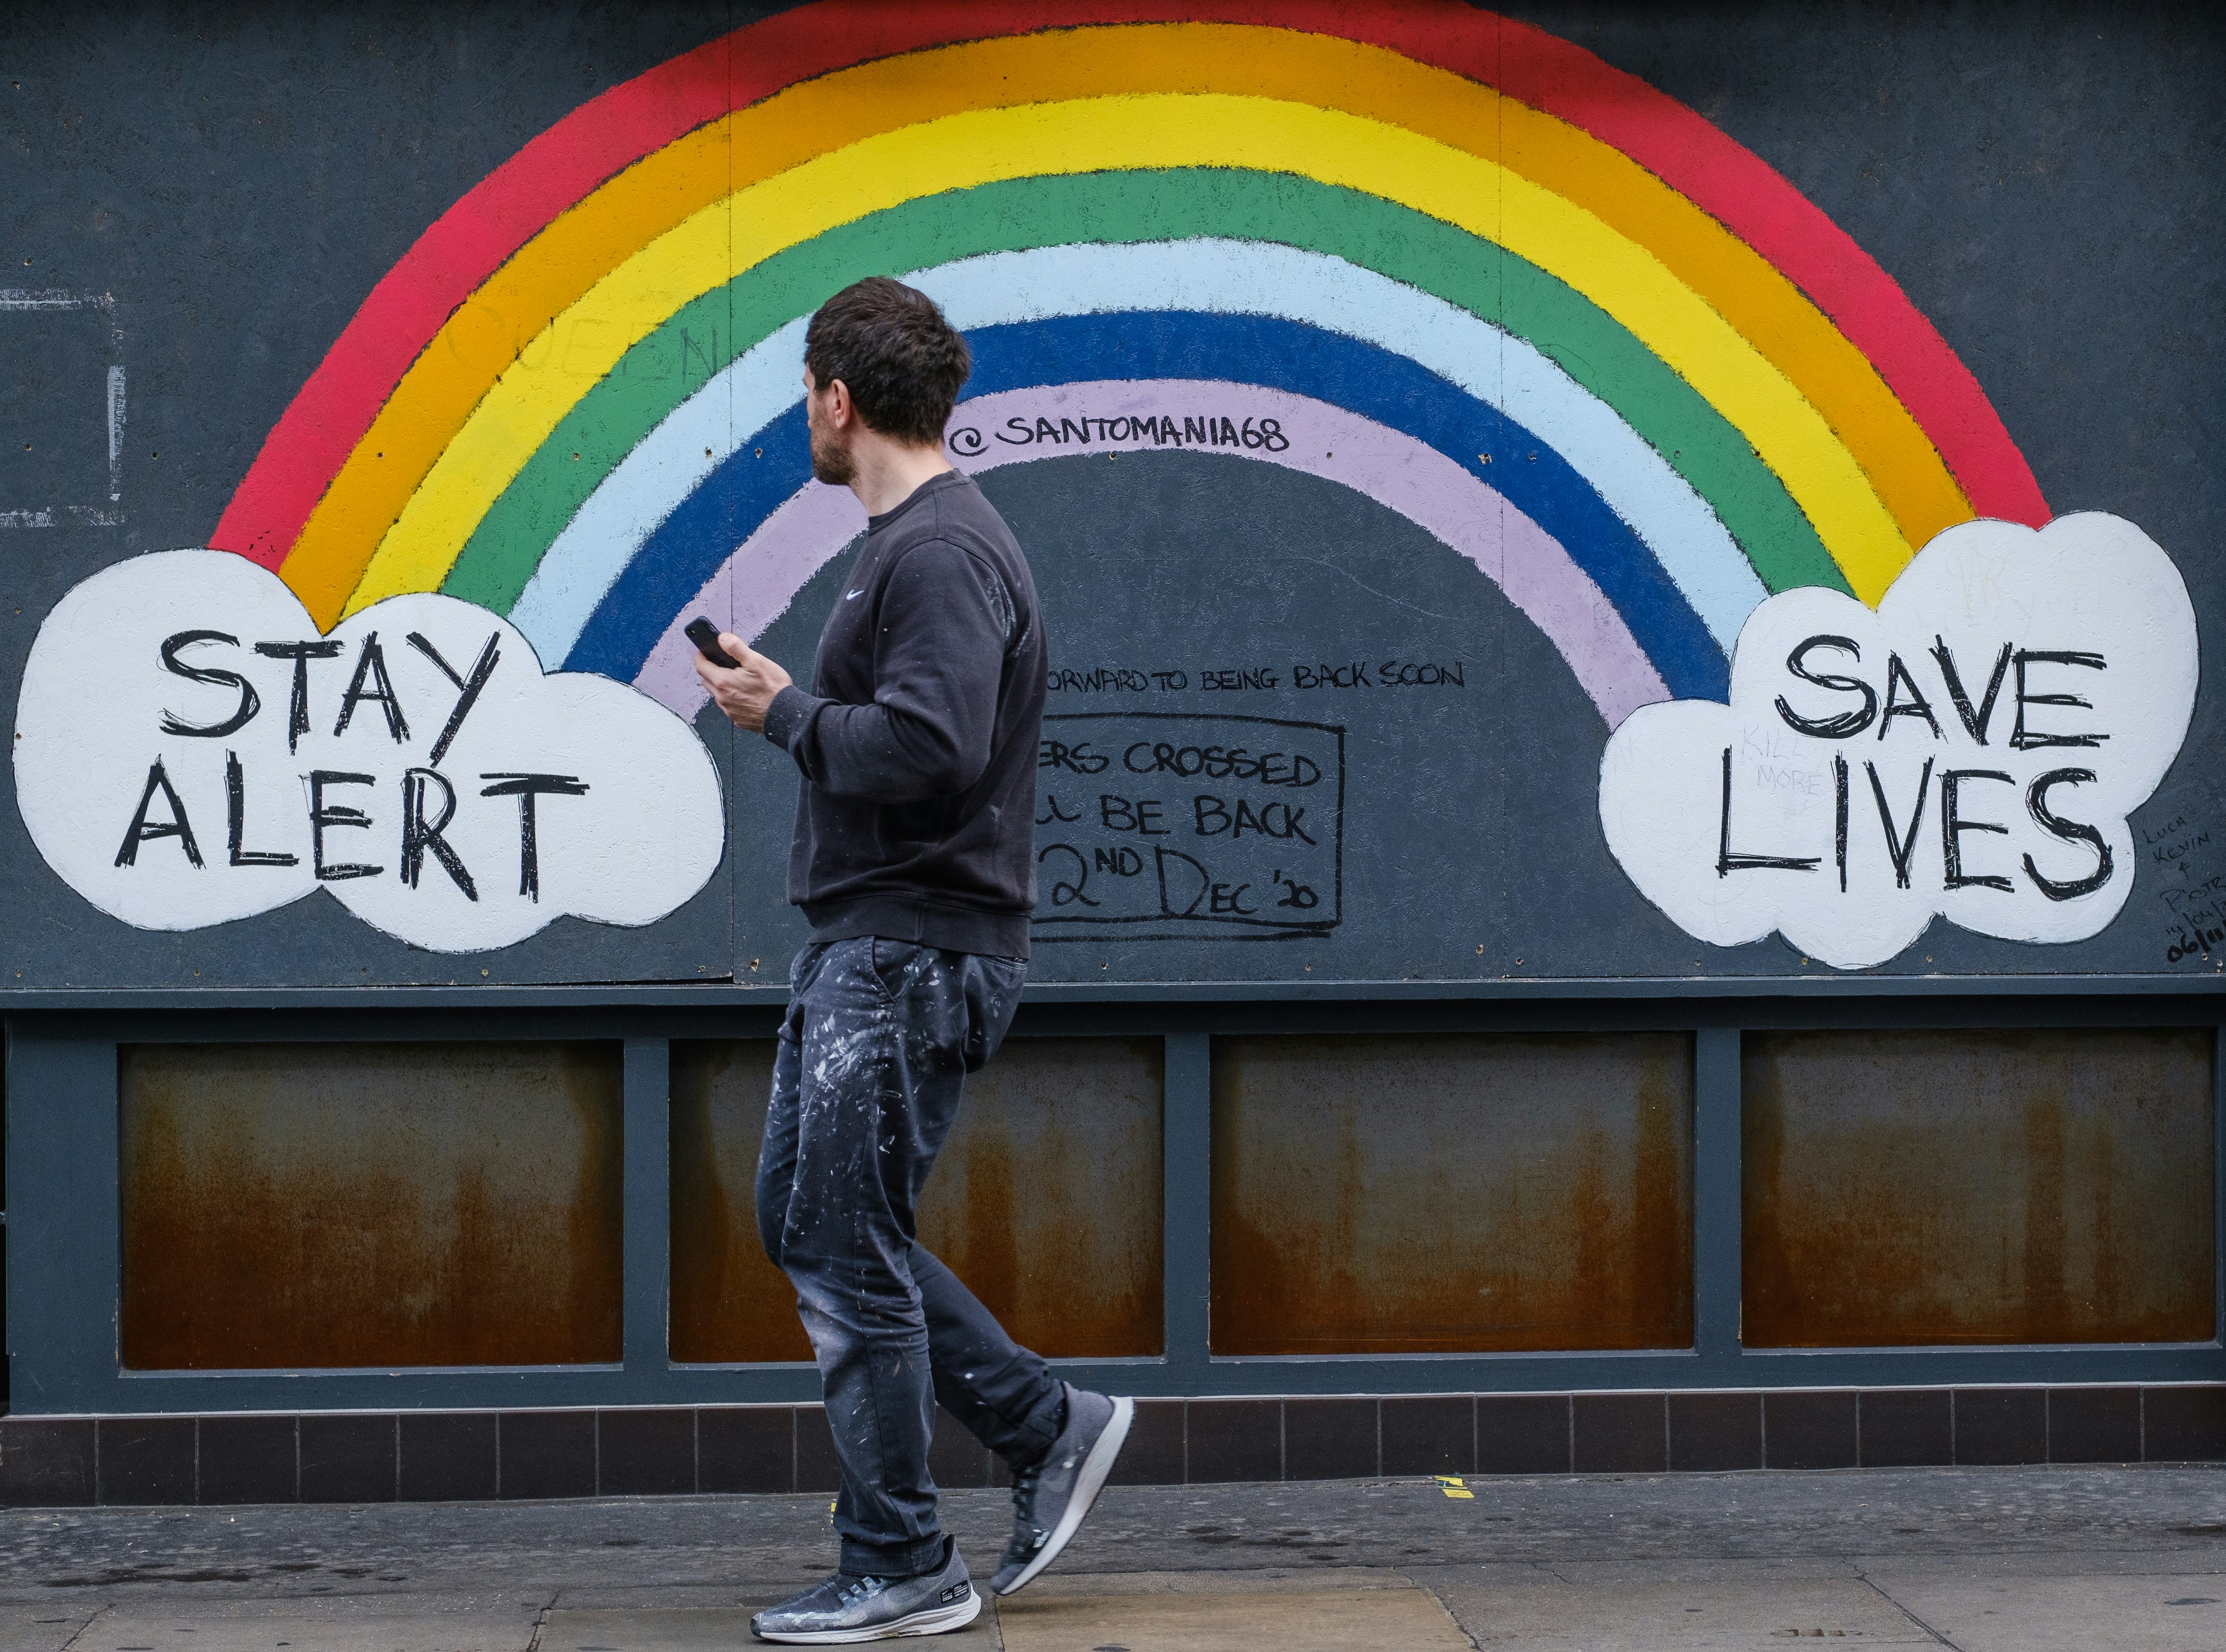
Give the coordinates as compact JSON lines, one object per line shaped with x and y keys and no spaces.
{"x":1627,"y":833}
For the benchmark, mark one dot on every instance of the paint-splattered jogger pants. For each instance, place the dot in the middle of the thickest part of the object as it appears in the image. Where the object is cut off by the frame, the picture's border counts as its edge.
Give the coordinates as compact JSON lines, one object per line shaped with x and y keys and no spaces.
{"x":878,"y":1038}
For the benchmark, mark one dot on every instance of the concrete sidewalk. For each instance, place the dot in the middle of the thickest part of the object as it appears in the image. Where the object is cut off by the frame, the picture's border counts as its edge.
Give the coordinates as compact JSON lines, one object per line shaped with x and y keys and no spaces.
{"x":2026,"y":1559}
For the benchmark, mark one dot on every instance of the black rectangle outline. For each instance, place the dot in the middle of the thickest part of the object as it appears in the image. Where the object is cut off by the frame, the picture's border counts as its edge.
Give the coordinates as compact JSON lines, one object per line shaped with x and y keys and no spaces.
{"x":1319,"y":927}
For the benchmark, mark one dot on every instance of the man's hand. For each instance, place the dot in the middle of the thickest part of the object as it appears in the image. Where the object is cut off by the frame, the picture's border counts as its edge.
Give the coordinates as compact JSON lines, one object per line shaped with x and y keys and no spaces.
{"x":744,"y":692}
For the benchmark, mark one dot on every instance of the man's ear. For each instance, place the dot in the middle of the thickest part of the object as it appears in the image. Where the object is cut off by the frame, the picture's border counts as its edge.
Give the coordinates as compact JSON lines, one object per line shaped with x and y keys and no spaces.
{"x":839,"y":408}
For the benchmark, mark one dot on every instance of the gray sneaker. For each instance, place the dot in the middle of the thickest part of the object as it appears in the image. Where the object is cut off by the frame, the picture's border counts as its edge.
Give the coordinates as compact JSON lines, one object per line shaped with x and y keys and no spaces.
{"x":1051,"y":1498}
{"x":843,"y":1610}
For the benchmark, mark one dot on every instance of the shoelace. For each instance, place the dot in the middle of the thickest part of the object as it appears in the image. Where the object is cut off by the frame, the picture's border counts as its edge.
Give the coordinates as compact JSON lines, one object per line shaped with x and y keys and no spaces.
{"x":1027,"y":1537}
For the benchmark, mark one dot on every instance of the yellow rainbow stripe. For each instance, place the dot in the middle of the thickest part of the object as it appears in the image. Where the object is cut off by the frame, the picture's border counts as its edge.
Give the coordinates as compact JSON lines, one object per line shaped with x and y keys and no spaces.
{"x":563,"y":311}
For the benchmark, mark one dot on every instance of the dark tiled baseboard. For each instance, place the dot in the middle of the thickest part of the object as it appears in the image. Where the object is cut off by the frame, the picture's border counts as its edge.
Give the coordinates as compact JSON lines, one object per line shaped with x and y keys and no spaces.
{"x":427,"y":1456}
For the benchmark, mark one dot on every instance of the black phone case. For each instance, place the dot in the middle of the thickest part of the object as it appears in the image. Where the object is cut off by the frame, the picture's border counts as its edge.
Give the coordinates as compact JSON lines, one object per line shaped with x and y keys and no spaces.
{"x":705,"y":635}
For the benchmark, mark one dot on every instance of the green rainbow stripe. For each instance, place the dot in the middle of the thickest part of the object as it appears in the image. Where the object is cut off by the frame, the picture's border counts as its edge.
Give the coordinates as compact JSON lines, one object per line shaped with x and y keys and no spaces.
{"x":703,"y":337}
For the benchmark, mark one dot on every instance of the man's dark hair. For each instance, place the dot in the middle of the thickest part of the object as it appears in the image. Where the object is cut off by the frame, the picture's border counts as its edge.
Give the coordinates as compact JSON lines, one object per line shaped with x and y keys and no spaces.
{"x":903,"y":362}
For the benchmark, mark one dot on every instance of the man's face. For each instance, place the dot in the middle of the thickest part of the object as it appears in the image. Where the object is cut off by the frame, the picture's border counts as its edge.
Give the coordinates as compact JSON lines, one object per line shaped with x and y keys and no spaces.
{"x":831,"y":449}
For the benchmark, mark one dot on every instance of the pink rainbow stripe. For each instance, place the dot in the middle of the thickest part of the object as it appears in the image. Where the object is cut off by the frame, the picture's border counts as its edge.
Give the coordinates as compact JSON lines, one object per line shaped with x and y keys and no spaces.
{"x":756,"y":585}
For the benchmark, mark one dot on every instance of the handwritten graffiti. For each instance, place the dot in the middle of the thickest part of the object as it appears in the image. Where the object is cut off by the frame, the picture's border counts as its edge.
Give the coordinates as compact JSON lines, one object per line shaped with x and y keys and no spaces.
{"x":1972,"y":749}
{"x":190,"y":750}
{"x":1189,"y":825}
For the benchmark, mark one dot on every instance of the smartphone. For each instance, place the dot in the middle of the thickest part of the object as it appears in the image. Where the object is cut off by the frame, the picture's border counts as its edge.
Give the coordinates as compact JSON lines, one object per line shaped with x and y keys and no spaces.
{"x":705,"y":635}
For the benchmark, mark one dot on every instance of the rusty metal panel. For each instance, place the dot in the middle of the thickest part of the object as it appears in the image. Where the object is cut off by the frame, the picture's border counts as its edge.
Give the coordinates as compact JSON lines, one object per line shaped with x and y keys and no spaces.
{"x":1045,"y":1200}
{"x":1452,"y":1193}
{"x":729,"y":1304}
{"x":1911,"y":1188}
{"x":297,"y":1205}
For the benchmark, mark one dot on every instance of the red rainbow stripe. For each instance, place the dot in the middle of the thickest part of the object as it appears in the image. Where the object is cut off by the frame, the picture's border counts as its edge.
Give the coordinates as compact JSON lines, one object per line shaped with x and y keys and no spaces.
{"x":611,"y":131}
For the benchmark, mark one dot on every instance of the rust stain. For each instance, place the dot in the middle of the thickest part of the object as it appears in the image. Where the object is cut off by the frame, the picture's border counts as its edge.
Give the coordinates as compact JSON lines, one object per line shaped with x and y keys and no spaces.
{"x":1662,"y":1191}
{"x":1912,"y":1187}
{"x":1045,"y":1200}
{"x":1048,"y":1200}
{"x":984,"y":1250}
{"x":2042,"y":1264}
{"x":1452,"y":1193}
{"x":307,"y":1206}
{"x":729,"y":1303}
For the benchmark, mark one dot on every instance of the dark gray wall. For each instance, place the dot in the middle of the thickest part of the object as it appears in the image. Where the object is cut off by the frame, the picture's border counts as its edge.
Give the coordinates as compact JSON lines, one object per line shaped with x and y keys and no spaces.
{"x":2044,"y":181}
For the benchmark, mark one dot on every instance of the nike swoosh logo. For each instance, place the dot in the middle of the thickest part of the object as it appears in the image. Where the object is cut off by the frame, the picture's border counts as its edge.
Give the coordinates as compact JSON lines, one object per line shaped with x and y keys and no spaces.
{"x":854,"y":596}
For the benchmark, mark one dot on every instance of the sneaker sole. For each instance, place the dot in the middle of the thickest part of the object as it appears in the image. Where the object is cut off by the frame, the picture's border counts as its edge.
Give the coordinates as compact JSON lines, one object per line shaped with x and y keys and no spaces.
{"x":938,"y":1620}
{"x":1096,"y":1468}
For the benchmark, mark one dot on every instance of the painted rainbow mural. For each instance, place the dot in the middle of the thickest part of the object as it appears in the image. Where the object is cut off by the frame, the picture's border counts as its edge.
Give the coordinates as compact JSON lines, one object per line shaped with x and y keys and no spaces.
{"x":1552,"y":316}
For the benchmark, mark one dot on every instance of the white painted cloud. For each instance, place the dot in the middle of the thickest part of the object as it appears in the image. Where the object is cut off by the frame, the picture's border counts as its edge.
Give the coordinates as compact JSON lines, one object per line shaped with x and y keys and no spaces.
{"x":1972,"y":749}
{"x":180,"y":763}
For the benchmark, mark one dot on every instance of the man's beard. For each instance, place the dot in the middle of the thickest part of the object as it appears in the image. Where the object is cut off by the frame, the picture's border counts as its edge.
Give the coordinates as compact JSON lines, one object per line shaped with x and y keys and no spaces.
{"x":831,"y":462}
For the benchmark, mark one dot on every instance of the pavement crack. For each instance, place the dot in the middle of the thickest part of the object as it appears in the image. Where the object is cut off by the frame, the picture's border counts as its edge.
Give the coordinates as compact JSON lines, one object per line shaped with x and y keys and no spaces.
{"x":82,"y":1629}
{"x":540,"y":1617}
{"x":1871,"y":1583}
{"x":1442,"y":1604}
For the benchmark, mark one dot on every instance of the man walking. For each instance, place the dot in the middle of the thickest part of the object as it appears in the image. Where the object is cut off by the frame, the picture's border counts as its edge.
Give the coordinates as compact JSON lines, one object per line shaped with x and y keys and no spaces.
{"x":914,"y":859}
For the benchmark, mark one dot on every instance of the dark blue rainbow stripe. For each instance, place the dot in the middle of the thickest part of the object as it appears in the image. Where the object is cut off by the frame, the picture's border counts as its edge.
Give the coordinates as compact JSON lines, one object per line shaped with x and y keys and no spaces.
{"x":771,"y":464}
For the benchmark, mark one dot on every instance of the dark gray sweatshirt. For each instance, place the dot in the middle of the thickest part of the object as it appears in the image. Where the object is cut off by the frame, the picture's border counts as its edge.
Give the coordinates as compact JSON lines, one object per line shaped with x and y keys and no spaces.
{"x":918,"y":741}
